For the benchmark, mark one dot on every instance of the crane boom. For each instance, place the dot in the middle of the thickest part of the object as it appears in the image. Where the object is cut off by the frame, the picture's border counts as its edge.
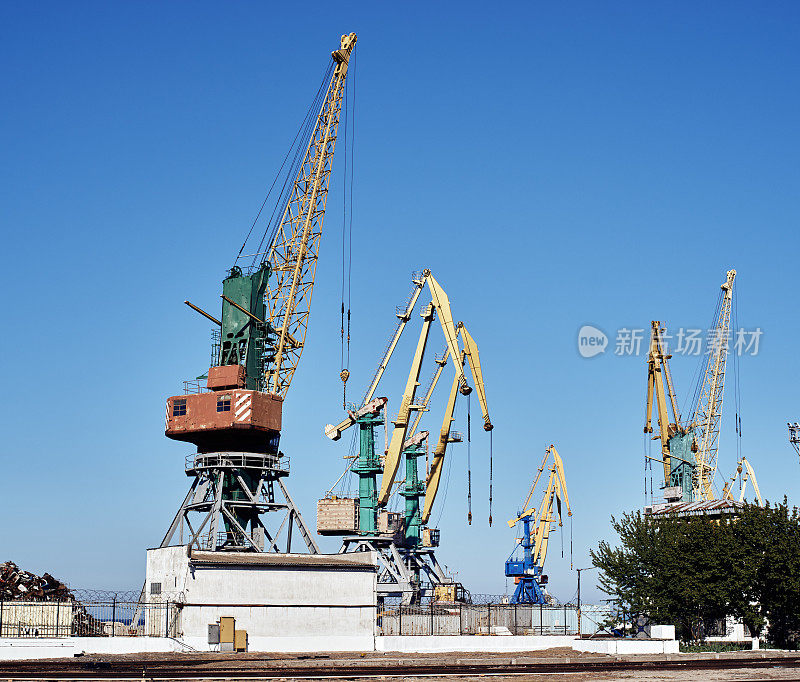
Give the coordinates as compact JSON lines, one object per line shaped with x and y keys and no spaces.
{"x":708,"y":412}
{"x":441,"y":304}
{"x":423,"y":406}
{"x":294,"y":252}
{"x":556,"y":492}
{"x":745,"y":472}
{"x":400,"y":430}
{"x":468,"y":354}
{"x":404,"y":317}
{"x":657,"y":376}
{"x":432,"y":484}
{"x":472,"y":356}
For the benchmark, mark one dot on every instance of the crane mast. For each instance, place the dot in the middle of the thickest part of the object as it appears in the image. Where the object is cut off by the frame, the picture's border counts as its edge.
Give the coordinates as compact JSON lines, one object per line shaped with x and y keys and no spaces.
{"x":708,"y":412}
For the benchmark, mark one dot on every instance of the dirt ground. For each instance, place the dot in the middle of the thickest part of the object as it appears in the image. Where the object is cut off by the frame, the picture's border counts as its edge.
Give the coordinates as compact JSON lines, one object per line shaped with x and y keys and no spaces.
{"x":556,"y":664}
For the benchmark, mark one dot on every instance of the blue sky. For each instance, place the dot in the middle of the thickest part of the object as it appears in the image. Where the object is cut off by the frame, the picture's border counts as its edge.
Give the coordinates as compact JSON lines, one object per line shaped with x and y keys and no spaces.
{"x":554,"y":165}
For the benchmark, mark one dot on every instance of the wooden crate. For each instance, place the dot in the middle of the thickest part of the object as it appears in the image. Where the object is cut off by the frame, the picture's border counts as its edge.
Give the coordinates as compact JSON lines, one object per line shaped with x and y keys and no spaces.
{"x":337,"y":516}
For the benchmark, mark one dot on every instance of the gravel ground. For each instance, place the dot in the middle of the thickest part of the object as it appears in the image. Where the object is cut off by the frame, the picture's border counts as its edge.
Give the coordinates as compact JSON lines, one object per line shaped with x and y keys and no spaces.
{"x":394,"y":666}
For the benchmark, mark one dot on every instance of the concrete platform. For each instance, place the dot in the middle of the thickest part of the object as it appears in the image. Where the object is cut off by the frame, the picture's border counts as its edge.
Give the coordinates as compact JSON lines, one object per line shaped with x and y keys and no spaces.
{"x":478,"y":643}
{"x":616,"y":647}
{"x":67,"y":647}
{"x":16,"y":649}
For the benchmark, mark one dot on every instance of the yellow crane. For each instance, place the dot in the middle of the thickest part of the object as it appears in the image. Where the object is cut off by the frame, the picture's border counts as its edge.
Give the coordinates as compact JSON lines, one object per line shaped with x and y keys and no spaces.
{"x":537,"y":525}
{"x":677,"y":440}
{"x":404,"y":558}
{"x":689,"y":449}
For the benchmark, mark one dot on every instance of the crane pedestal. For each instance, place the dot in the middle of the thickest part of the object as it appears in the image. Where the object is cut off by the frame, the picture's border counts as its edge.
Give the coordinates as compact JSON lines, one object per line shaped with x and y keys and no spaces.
{"x":527,"y":574}
{"x":233,"y":499}
{"x":400,"y":570}
{"x":682,"y":464}
{"x":412,"y":491}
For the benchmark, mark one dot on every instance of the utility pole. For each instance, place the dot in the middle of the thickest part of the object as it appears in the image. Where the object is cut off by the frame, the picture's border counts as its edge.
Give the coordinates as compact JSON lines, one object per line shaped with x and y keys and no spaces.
{"x":579,"y":595}
{"x":794,"y":435}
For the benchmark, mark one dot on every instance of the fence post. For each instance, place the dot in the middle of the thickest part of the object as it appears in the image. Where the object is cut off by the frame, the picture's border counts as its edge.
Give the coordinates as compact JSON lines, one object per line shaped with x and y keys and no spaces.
{"x":460,"y":620}
{"x":113,"y":615}
{"x":1,"y":617}
{"x":516,"y":630}
{"x":400,"y":619}
{"x":489,"y":619}
{"x":541,"y":627}
{"x":565,"y":619}
{"x":166,"y":619}
{"x":431,"y":618}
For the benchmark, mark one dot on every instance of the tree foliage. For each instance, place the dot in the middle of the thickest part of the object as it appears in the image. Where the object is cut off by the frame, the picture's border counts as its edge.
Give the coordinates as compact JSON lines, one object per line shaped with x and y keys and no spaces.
{"x":692,"y":571}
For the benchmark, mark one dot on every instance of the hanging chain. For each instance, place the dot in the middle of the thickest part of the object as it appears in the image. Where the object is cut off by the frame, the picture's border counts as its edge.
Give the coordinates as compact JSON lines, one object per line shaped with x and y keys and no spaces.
{"x":469,"y":465}
{"x":490,"y":479}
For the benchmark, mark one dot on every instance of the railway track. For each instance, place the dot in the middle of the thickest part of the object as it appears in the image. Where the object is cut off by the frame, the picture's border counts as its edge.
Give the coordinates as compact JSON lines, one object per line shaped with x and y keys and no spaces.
{"x":187,"y":667}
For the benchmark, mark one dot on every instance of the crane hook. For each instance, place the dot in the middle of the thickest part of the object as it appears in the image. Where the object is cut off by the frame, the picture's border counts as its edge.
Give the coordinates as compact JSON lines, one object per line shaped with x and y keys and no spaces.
{"x":344,"y":375}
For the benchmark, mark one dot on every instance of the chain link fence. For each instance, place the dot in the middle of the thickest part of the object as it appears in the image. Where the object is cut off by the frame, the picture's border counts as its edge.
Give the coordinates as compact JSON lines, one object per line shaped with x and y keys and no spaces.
{"x":90,"y":613}
{"x":96,"y":613}
{"x":491,"y":619}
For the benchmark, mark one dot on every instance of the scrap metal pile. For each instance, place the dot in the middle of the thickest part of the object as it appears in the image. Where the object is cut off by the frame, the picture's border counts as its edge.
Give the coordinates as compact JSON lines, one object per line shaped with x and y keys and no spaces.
{"x":17,"y":585}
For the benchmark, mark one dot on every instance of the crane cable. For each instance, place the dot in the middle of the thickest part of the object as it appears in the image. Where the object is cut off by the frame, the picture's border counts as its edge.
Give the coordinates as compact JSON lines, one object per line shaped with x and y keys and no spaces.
{"x":299,"y":145}
{"x":570,"y":545}
{"x":490,"y":479}
{"x":736,"y":392}
{"x":347,"y":227}
{"x":699,"y":378}
{"x":469,"y":465}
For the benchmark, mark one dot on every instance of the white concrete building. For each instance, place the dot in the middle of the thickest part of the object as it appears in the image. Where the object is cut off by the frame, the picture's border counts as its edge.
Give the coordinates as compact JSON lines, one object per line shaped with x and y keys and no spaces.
{"x":285,"y":602}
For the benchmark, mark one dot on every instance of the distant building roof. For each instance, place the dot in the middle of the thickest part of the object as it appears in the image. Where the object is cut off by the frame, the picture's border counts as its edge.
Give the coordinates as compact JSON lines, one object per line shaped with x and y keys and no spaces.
{"x":712,"y":508}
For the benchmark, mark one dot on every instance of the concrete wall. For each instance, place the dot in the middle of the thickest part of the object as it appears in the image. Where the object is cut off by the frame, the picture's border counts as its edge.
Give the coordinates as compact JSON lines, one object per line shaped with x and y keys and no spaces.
{"x":12,"y":648}
{"x":662,"y":631}
{"x":271,"y":596}
{"x":423,"y":643}
{"x":627,"y":646}
{"x":735,"y":632}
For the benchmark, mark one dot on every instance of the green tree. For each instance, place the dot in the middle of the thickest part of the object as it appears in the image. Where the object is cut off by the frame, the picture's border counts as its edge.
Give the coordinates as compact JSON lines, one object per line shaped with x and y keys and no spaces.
{"x":691,"y":571}
{"x":768,"y":541}
{"x":676,"y":571}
